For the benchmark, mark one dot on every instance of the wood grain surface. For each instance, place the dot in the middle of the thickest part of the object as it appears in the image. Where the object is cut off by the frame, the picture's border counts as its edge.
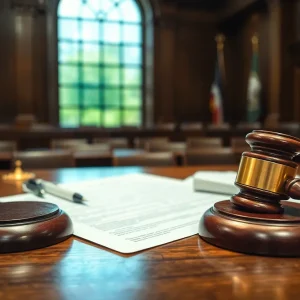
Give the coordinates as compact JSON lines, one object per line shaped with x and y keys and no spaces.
{"x":186,"y":269}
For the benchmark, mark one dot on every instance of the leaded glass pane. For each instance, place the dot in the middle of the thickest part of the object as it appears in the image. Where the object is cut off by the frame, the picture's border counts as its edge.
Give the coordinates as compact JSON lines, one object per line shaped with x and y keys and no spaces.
{"x":112,"y":76}
{"x":132,"y":98}
{"x":130,"y":11}
{"x":112,"y":118}
{"x":114,"y":15}
{"x":132,"y":33}
{"x":90,"y":76}
{"x":111,"y":54}
{"x":132,"y":55}
{"x":91,"y":117}
{"x":87,"y":12}
{"x":68,"y":30}
{"x":69,"y":8}
{"x":112,"y":97}
{"x":100,"y":63}
{"x":91,"y":97}
{"x":112,"y":33}
{"x":69,"y":117}
{"x":69,"y":97}
{"x":100,"y":5}
{"x":68,"y":52}
{"x":91,"y":53}
{"x":132,"y":117}
{"x":68,"y":74}
{"x":132,"y":76}
{"x":89,"y":31}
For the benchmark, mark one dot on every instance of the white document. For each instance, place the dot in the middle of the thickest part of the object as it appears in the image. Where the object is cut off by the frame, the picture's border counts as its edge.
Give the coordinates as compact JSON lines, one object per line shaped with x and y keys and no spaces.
{"x":215,"y":182}
{"x":134,"y":212}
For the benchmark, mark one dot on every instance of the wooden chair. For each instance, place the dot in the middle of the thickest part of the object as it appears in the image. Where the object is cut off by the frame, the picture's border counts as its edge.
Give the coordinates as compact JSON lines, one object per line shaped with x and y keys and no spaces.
{"x":131,"y":128}
{"x":42,"y":126}
{"x":166,"y":126}
{"x":8,"y":146}
{"x":146,"y":160}
{"x":203,"y":142}
{"x":191,"y":126}
{"x":157,"y":145}
{"x":289,"y":126}
{"x":223,"y":126}
{"x":71,"y":144}
{"x":103,"y":147}
{"x":140,"y":143}
{"x":45,"y":159}
{"x":250,"y":126}
{"x":219,"y":156}
{"x":114,"y":143}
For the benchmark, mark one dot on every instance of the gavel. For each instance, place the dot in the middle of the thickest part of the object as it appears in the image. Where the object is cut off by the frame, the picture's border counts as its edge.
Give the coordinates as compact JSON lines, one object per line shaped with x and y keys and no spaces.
{"x":267,"y":174}
{"x":257,"y":220}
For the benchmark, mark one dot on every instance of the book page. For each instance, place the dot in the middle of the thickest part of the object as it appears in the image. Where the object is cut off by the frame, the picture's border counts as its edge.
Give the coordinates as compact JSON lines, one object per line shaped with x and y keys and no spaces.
{"x":134,"y":212}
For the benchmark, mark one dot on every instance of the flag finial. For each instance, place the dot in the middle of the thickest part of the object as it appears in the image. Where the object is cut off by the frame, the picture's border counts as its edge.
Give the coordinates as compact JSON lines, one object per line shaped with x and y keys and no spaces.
{"x":220,"y":39}
{"x":255,"y":42}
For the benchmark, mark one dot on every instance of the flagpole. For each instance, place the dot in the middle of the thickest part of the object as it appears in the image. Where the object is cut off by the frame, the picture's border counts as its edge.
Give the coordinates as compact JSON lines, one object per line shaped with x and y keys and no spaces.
{"x":254,"y":84}
{"x":255,"y":43}
{"x":220,"y":40}
{"x":217,"y":88}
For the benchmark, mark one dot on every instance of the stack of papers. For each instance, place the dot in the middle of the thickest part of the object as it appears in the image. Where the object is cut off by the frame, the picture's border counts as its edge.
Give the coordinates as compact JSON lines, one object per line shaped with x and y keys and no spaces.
{"x":133,"y":212}
{"x":215,"y":182}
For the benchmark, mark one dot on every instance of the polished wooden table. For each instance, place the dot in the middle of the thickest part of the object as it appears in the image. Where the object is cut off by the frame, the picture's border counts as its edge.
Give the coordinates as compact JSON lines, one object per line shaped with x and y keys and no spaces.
{"x":186,"y":269}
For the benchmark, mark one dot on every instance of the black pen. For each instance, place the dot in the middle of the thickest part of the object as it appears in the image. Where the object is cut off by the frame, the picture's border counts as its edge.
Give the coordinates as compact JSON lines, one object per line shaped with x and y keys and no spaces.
{"x":41,"y":187}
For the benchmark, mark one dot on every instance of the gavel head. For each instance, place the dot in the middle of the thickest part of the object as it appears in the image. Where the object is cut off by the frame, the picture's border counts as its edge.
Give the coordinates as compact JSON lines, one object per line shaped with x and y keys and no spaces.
{"x":267,"y":173}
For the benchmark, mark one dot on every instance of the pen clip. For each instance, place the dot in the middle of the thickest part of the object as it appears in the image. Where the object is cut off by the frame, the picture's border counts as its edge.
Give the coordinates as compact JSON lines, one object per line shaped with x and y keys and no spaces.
{"x":35,"y":187}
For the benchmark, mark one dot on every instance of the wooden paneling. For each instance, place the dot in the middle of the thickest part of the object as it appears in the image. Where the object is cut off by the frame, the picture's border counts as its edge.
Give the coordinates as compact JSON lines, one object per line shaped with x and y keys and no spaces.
{"x":194,"y":71}
{"x":295,"y":53}
{"x":288,"y":36}
{"x":24,"y":61}
{"x":297,"y":93}
{"x":39,"y":52}
{"x":205,"y":5}
{"x":232,"y":7}
{"x":297,"y":16}
{"x":165,"y":41}
{"x":22,"y":58}
{"x":8,"y":105}
{"x":275,"y":38}
{"x":185,"y":56}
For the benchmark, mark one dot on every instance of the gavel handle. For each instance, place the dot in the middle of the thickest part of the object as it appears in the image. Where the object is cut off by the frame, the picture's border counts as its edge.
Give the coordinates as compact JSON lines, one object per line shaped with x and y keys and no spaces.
{"x":292,"y":188}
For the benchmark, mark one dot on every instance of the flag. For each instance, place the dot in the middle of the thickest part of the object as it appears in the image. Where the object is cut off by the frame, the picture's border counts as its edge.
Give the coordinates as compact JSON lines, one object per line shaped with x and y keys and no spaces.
{"x":254,"y":87}
{"x":216,"y":91}
{"x":216,"y":99}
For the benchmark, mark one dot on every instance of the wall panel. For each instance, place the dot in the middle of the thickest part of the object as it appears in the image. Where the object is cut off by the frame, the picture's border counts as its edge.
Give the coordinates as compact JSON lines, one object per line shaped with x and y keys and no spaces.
{"x":8,"y":103}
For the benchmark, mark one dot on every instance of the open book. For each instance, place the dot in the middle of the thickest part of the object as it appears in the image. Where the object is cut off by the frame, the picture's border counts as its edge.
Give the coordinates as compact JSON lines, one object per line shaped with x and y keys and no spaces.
{"x":215,"y":182}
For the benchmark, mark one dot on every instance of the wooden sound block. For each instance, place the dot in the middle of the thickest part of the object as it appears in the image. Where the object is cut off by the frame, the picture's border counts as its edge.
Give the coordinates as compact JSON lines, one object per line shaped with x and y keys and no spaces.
{"x":30,"y":225}
{"x":226,"y":226}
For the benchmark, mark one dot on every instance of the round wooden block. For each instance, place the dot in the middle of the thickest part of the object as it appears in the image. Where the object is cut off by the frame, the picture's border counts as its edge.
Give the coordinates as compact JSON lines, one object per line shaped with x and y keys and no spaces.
{"x":266,"y":234}
{"x":31,"y":225}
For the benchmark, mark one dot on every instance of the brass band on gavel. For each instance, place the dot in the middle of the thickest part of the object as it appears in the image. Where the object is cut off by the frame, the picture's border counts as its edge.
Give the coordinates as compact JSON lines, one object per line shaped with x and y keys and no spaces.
{"x":264,"y":175}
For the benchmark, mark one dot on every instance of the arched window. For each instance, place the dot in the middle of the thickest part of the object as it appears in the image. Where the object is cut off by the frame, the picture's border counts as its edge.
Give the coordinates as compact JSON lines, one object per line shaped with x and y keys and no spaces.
{"x":100,"y":63}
